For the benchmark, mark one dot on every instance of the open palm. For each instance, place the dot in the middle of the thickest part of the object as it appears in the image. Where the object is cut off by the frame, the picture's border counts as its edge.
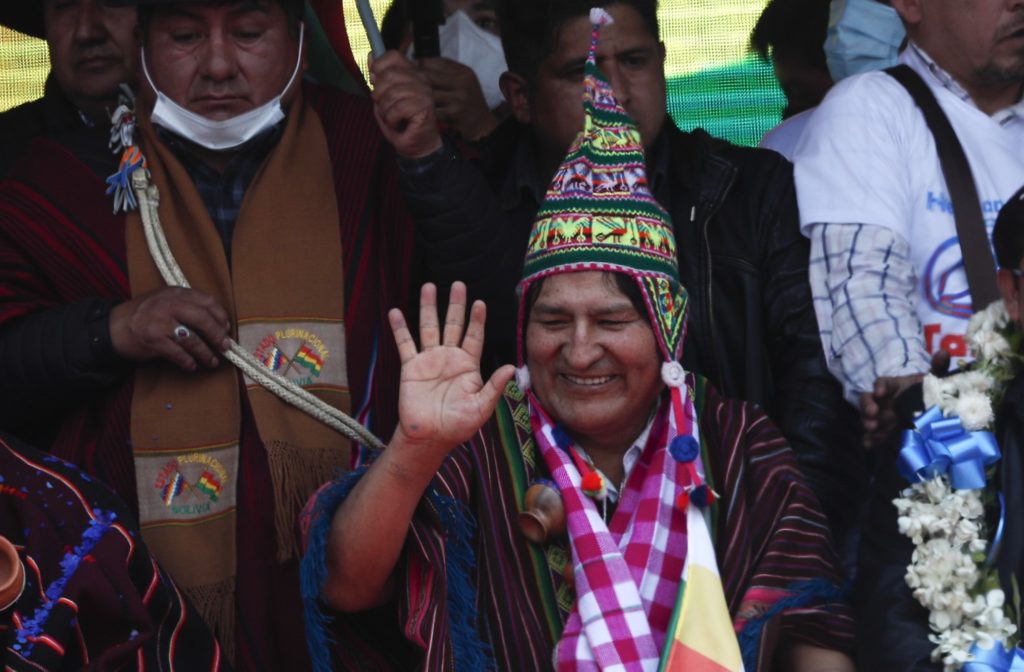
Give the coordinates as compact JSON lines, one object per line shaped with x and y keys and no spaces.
{"x":442,"y":399}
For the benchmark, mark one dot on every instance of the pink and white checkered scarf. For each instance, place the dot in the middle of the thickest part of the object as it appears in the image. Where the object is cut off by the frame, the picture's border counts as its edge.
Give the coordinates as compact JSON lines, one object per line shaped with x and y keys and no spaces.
{"x":627,"y":572}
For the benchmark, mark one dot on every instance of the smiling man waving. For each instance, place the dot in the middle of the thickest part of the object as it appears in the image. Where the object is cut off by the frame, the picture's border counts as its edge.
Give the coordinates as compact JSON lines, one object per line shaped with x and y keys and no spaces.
{"x":554,"y":522}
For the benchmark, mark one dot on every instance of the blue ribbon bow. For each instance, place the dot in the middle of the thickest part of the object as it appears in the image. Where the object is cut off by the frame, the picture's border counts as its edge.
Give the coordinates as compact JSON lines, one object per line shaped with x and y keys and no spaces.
{"x":996,"y":659}
{"x":940,"y":445}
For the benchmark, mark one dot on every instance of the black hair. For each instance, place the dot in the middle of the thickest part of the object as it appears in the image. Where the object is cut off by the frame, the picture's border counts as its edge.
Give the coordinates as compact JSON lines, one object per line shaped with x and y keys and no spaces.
{"x":530,"y":28}
{"x":1008,"y":234}
{"x":293,"y":11}
{"x":793,"y":28}
{"x":620,"y":281}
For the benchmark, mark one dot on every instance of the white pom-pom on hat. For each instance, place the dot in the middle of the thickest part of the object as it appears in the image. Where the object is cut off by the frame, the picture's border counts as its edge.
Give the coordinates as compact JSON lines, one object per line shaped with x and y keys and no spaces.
{"x":523,"y":378}
{"x":600,"y":17}
{"x":673,"y":374}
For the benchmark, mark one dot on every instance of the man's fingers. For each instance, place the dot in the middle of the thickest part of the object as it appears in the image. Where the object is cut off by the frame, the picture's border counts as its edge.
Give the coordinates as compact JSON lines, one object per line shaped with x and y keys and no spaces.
{"x":387,"y":64}
{"x":403,"y":339}
{"x":492,"y":390}
{"x":455,"y":318}
{"x":430,"y":330}
{"x":206,"y":330}
{"x":196,"y":350}
{"x":473,"y":343}
{"x":176,"y":354}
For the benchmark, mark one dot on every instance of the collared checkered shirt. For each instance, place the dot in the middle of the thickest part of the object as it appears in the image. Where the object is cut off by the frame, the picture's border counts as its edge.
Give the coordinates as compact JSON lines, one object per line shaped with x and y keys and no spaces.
{"x":222,"y":193}
{"x":864,"y":292}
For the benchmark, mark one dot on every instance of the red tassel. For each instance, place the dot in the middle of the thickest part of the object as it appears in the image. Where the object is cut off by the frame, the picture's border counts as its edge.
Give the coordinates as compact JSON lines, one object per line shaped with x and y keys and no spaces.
{"x":593,"y":484}
{"x":683,"y":500}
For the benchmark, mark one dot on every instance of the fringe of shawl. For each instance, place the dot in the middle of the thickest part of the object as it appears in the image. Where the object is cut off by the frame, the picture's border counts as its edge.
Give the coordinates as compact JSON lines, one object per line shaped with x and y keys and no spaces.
{"x":296,"y":474}
{"x":215,"y":603}
{"x":470,"y":653}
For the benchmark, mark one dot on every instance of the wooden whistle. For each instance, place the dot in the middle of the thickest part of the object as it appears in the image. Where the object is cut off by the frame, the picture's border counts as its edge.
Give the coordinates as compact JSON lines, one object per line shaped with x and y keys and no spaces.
{"x":12,"y":574}
{"x":543,"y":514}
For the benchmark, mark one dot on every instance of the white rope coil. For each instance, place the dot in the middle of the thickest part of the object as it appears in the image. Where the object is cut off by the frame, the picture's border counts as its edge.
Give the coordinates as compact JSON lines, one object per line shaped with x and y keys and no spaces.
{"x":287,"y":390}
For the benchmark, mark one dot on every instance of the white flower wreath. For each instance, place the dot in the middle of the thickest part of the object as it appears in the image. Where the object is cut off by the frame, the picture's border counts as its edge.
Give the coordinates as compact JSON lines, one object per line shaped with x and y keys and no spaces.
{"x":949,"y":573}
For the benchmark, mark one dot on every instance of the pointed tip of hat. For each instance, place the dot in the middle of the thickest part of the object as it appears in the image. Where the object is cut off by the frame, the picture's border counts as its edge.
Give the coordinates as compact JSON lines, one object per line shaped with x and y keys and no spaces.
{"x":600,"y":17}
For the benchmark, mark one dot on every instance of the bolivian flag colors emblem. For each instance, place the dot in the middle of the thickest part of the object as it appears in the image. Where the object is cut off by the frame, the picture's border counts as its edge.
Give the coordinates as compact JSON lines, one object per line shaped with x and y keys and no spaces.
{"x":308,"y":358}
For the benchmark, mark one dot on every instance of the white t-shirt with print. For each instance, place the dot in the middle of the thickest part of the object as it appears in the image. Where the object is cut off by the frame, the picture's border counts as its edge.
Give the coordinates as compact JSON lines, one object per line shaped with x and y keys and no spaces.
{"x":867,"y":156}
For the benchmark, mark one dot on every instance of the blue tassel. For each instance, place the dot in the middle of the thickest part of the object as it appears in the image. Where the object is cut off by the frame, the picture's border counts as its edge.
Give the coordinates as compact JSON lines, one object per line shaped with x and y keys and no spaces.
{"x":314,"y":569}
{"x":561,"y":438}
{"x":802,"y":593}
{"x":684,"y":448}
{"x":699,"y":496}
{"x":470,"y":652}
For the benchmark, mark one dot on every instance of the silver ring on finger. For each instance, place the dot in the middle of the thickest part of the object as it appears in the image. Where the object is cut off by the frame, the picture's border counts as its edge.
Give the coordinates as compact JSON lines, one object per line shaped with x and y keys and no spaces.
{"x":180,"y":333}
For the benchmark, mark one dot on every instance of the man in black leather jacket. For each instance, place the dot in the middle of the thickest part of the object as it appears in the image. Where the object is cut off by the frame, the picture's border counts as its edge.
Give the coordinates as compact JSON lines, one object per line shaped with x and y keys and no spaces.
{"x":752,"y":330}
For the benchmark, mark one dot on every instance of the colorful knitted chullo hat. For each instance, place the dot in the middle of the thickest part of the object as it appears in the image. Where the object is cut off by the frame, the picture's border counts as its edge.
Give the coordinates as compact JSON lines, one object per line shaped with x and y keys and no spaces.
{"x":599,"y":215}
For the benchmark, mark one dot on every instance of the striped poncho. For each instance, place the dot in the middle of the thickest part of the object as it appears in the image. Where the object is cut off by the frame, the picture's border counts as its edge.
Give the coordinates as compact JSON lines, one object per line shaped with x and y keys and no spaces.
{"x":477,"y":595}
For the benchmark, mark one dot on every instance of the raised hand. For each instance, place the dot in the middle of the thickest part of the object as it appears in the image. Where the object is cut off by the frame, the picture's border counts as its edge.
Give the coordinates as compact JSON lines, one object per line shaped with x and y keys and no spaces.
{"x":442,"y":399}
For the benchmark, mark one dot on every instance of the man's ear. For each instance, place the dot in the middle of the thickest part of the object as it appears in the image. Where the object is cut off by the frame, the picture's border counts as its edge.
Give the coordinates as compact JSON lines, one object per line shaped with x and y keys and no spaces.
{"x":1009,"y":291}
{"x":517,"y":93}
{"x":909,"y":10}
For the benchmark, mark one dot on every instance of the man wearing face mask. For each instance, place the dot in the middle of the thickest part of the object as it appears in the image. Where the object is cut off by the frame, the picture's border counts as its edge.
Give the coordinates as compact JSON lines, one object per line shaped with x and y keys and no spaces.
{"x":465,"y":76}
{"x":859,"y":36}
{"x":887,"y":266}
{"x":92,"y":51}
{"x":863,"y":36}
{"x":277,"y":199}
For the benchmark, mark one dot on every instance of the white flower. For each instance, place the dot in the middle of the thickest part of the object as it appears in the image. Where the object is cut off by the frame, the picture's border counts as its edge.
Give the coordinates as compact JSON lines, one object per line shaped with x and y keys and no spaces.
{"x":975,"y":381}
{"x":989,"y":345}
{"x":975,"y":411}
{"x":993,"y":317}
{"x":940,"y":620}
{"x":934,"y":389}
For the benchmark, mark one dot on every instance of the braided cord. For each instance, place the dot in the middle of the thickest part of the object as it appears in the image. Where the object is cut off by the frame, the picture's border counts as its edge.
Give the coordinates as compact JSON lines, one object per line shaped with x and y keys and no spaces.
{"x":149,"y":203}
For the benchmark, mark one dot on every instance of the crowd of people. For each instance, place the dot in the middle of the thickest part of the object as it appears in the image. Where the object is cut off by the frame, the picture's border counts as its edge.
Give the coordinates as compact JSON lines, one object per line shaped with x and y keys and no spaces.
{"x":488,"y":365}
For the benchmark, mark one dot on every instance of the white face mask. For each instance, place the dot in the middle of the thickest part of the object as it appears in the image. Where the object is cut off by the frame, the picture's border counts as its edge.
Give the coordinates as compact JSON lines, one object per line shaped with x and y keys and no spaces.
{"x":225,"y":134}
{"x":464,"y":41}
{"x":863,"y":35}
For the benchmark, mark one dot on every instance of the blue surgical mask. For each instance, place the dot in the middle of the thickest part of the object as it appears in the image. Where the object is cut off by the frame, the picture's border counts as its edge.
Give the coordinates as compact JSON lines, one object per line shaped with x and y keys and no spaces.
{"x":225,"y":134}
{"x":863,"y":35}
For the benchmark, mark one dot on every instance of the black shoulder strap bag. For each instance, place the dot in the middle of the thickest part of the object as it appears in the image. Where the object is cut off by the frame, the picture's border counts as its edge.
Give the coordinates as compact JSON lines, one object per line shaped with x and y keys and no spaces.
{"x":979,"y":264}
